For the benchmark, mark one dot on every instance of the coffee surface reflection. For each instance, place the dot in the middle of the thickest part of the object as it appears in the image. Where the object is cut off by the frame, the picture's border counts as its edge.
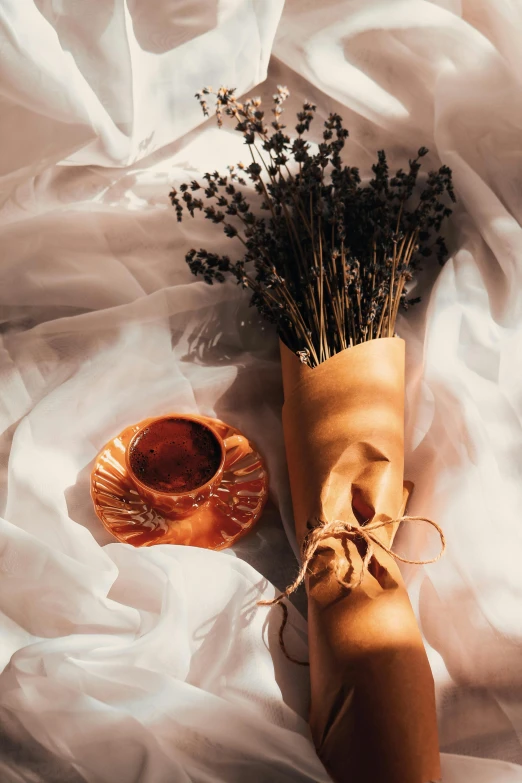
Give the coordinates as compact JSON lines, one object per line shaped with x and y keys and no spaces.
{"x":175,"y":455}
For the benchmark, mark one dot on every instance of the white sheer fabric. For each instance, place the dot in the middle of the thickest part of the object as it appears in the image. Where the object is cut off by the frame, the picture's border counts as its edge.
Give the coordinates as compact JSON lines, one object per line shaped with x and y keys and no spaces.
{"x":155,"y":665}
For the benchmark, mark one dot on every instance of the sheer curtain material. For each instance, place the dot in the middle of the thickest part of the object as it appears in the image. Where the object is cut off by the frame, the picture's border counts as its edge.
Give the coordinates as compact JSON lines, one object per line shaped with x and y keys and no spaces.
{"x":156,"y":665}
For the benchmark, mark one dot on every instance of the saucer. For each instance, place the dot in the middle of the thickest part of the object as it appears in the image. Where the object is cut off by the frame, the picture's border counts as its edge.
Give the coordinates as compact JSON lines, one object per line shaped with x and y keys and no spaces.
{"x":233,"y":508}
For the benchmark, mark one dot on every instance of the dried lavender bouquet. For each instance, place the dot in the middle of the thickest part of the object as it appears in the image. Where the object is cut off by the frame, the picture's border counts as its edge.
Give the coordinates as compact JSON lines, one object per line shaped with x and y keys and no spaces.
{"x":328,"y":259}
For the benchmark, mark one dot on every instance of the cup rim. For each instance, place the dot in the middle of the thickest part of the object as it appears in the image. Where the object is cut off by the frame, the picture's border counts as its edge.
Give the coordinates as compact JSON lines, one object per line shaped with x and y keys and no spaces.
{"x":186,"y":417}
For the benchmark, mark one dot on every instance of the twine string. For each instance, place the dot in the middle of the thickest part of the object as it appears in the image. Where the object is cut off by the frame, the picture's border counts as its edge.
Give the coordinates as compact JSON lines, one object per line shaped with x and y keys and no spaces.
{"x":346,"y":530}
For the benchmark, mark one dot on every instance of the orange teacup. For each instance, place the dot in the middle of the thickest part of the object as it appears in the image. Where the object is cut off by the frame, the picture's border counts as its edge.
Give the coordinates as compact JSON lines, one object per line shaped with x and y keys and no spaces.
{"x":176,"y":462}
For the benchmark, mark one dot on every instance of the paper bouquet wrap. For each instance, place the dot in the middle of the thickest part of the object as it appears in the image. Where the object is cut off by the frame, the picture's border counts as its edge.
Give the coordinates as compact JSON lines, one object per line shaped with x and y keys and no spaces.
{"x":372,"y":712}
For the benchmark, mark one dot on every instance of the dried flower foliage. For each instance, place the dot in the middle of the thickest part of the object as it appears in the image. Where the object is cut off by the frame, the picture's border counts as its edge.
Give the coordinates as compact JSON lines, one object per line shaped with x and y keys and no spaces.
{"x":330,"y":260}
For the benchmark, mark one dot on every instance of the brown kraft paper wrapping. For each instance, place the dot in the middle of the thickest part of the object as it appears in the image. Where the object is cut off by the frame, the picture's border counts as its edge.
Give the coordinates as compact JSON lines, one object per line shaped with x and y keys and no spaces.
{"x":372,"y":712}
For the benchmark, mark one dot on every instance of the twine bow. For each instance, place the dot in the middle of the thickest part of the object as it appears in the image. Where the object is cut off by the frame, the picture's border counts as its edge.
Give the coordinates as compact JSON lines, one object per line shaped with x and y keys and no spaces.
{"x":346,"y":530}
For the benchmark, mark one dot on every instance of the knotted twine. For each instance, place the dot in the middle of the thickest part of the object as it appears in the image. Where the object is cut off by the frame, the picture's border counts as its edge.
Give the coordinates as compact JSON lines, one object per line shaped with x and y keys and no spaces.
{"x":345,"y":530}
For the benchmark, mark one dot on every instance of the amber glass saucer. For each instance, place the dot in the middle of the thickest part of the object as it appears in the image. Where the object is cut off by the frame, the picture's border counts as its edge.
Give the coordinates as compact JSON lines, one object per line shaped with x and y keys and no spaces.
{"x":233,"y":508}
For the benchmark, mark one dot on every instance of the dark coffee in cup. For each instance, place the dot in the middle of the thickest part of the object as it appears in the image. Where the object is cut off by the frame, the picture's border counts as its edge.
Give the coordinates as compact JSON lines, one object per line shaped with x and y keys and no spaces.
{"x":175,"y":455}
